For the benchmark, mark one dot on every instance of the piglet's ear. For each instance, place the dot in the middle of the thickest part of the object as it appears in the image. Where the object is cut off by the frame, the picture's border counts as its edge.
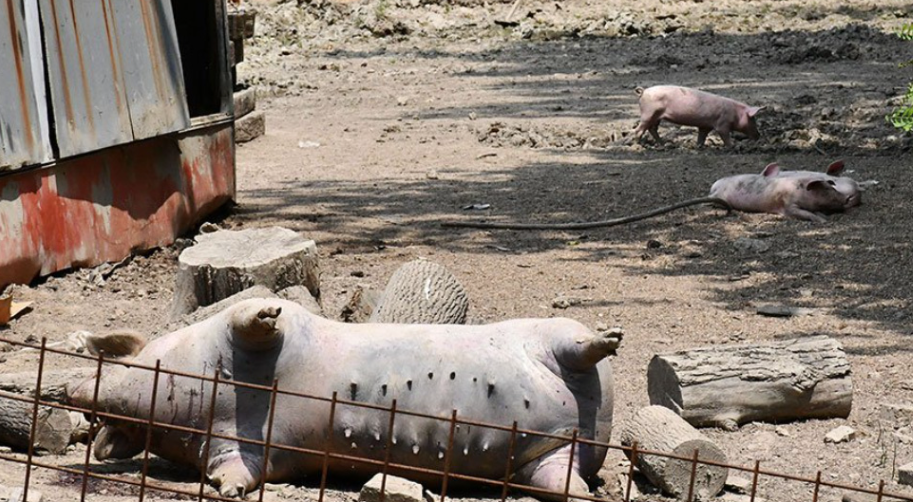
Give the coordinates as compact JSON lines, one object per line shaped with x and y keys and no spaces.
{"x":835,"y":168}
{"x":772,"y":169}
{"x":753,"y":110}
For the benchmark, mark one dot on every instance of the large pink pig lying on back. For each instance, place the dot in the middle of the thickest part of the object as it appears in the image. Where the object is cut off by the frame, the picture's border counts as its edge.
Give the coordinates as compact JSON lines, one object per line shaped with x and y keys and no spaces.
{"x":691,"y":107}
{"x":805,"y":195}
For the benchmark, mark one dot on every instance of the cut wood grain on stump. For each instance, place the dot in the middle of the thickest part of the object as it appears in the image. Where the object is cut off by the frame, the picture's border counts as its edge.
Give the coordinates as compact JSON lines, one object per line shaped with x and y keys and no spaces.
{"x":226,"y":262}
{"x":51,"y":435}
{"x":659,"y":429}
{"x":422,"y":292}
{"x":725,"y":386}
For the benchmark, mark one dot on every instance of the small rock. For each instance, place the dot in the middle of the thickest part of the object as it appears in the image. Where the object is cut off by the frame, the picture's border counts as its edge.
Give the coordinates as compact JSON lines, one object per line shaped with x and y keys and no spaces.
{"x":737,"y":497}
{"x":782,"y":311}
{"x":693,"y":254}
{"x":905,"y":474}
{"x":737,"y":484}
{"x":841,"y":434}
{"x":564,"y":302}
{"x":472,"y":115}
{"x":654,"y":244}
{"x":432,"y":175}
{"x":308,"y":144}
{"x":208,"y":228}
{"x":781,"y":431}
{"x":748,"y":245}
{"x":402,"y":101}
{"x":395,"y":490}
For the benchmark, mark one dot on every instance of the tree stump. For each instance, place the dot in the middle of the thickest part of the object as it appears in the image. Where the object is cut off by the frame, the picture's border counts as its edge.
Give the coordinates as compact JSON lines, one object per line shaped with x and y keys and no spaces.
{"x":53,"y":431}
{"x":725,"y":386}
{"x":659,"y":429}
{"x":226,"y":262}
{"x":422,"y":292}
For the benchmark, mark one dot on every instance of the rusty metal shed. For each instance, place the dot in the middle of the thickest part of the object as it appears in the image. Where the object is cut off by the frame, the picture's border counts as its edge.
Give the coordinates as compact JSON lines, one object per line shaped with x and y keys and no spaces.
{"x":116,"y":128}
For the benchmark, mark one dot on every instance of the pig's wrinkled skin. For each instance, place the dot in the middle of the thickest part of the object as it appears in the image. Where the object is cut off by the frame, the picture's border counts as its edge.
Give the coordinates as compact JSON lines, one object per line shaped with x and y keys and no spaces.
{"x":691,"y":107}
{"x":805,"y":195}
{"x":549,"y":375}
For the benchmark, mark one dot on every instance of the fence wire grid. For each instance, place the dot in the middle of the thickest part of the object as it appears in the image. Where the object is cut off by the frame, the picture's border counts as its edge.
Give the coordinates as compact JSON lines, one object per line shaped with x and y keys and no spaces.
{"x":85,"y":473}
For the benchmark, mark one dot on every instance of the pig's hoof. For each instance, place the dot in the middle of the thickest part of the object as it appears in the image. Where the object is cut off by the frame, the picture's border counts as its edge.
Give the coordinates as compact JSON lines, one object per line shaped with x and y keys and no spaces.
{"x":254,"y":326}
{"x":232,"y":491}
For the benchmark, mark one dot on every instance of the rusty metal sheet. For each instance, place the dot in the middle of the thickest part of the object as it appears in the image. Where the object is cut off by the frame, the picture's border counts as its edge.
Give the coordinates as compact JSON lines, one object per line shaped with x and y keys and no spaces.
{"x":86,"y":81}
{"x":23,"y":115}
{"x":151,"y":63}
{"x":104,"y":205}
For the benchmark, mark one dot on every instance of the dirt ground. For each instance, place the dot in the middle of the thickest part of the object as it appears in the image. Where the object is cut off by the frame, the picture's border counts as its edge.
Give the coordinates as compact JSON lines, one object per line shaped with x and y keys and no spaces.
{"x":386,"y":118}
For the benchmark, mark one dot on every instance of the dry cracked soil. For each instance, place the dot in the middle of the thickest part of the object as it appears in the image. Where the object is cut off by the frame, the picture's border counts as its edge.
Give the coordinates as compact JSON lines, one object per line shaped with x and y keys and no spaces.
{"x":385,"y":118}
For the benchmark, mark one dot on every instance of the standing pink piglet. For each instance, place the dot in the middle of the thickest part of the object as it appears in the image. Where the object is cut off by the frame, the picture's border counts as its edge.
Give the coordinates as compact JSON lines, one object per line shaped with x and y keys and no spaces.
{"x":691,"y":107}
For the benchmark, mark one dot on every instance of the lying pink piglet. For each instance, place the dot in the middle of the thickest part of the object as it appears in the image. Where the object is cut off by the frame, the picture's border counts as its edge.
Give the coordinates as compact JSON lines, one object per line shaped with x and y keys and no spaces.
{"x":805,"y":195}
{"x":691,"y":107}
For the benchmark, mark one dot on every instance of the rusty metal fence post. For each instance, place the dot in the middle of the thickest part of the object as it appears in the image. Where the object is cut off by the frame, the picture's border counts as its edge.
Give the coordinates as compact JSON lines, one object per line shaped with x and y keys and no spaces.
{"x":34,"y":428}
{"x":155,"y":389}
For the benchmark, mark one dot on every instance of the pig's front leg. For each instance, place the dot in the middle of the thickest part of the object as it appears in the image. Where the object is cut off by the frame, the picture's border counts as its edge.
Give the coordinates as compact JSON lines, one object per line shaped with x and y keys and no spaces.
{"x":724,"y":135}
{"x":802,"y":214}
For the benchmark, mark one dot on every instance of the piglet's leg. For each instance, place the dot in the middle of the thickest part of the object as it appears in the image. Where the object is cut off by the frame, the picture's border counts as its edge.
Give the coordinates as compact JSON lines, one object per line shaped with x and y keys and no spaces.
{"x":802,"y":214}
{"x":549,"y":472}
{"x":724,"y":135}
{"x":254,"y":325}
{"x":702,"y":136}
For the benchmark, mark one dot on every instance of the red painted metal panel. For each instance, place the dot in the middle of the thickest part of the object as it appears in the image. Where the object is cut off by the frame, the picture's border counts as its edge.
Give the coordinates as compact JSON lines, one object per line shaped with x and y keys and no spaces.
{"x":102,"y":206}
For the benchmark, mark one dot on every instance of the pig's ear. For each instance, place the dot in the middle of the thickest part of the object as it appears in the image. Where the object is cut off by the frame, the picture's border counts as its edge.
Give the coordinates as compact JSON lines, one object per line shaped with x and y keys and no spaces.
{"x":772,"y":169}
{"x":820,"y":186}
{"x":835,"y":168}
{"x":753,"y":110}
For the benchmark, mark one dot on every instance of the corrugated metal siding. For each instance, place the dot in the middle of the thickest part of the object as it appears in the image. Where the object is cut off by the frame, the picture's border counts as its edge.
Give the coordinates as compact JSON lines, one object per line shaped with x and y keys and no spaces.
{"x":114,"y":70}
{"x":151,"y":60}
{"x":23,"y":115}
{"x":103,"y":206}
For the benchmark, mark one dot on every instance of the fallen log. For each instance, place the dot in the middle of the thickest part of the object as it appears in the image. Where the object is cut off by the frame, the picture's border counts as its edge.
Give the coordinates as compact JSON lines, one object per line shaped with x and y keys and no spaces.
{"x":422,"y":292}
{"x":725,"y":386}
{"x":53,"y":431}
{"x":659,"y":429}
{"x":53,"y":382}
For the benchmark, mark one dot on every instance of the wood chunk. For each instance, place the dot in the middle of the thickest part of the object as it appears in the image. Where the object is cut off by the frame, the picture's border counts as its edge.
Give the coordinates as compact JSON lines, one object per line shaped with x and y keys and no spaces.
{"x":245,"y":102}
{"x":250,"y":127}
{"x":303,"y":297}
{"x":360,"y":305}
{"x":422,"y":292}
{"x":724,"y":386}
{"x":659,"y":429}
{"x":227,"y":262}
{"x":53,"y":382}
{"x":51,"y":435}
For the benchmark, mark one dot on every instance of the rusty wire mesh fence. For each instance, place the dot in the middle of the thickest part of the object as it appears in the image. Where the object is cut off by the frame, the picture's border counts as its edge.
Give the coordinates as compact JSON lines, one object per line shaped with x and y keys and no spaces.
{"x":384,"y":464}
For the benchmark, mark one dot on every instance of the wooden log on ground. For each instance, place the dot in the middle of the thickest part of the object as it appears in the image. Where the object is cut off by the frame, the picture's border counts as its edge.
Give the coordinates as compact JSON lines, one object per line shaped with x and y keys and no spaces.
{"x":53,"y":382}
{"x":51,"y":435}
{"x":422,"y":292}
{"x":226,"y":262}
{"x":360,"y":305}
{"x":725,"y":386}
{"x":659,"y":429}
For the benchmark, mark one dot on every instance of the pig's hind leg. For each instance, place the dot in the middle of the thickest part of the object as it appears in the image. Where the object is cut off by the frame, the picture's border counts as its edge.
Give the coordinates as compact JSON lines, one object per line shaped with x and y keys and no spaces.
{"x":649,"y":121}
